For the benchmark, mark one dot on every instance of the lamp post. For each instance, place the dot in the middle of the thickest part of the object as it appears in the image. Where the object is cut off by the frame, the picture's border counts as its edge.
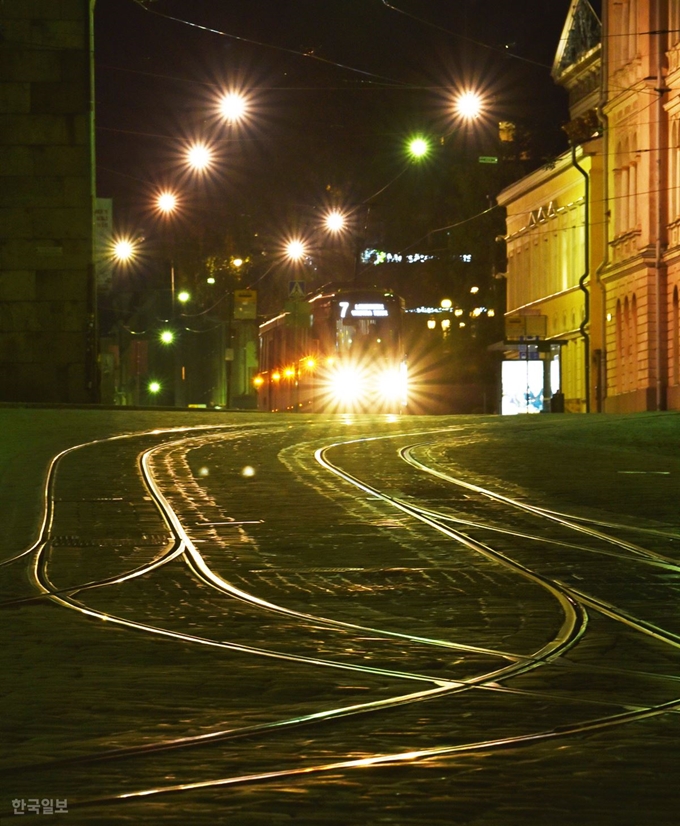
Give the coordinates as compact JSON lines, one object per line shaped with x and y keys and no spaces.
{"x":167,"y":203}
{"x":124,"y":252}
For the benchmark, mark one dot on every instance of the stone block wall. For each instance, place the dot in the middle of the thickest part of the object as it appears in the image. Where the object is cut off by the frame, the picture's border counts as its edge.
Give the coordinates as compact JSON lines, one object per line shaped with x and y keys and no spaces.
{"x":47,"y":295}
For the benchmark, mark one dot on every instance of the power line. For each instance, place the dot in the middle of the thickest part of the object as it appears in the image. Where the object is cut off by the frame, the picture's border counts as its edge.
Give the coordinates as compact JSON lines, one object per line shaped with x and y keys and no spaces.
{"x":308,"y":54}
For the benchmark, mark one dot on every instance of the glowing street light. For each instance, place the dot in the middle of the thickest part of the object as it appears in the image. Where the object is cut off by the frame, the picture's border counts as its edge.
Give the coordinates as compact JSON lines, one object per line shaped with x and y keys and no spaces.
{"x":335,"y":221}
{"x":233,"y":107}
{"x":167,"y":336}
{"x":154,"y":387}
{"x":446,"y":304}
{"x":166,"y":202}
{"x":295,"y":249}
{"x":468,"y":105}
{"x":183,"y":297}
{"x":199,"y":157}
{"x":418,"y":147}
{"x":123,"y":250}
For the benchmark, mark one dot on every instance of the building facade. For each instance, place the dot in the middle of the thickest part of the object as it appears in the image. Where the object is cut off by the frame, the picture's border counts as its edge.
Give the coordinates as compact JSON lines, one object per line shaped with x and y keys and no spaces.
{"x":624,"y":96}
{"x":47,"y":290}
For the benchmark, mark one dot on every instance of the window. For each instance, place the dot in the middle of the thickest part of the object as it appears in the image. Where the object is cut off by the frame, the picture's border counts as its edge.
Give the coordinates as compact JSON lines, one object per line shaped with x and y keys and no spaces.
{"x":620,"y":345}
{"x":674,"y":180}
{"x":674,"y":22}
{"x":633,"y":344}
{"x":675,"y":337}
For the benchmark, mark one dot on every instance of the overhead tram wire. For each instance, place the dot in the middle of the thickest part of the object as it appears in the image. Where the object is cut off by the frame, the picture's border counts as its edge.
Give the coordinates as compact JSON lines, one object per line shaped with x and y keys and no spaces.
{"x":467,"y":39}
{"x":390,"y":81}
{"x":374,"y":86}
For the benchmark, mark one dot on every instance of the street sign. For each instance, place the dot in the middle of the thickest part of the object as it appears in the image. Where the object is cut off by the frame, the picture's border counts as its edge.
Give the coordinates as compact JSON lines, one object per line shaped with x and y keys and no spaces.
{"x":245,"y":304}
{"x":514,"y":327}
{"x":296,"y":289}
{"x":518,"y":327}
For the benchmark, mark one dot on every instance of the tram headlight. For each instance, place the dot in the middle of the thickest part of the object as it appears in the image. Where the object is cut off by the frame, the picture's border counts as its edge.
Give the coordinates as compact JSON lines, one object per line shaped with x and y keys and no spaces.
{"x":347,"y":384}
{"x":392,"y":384}
{"x":389,"y":385}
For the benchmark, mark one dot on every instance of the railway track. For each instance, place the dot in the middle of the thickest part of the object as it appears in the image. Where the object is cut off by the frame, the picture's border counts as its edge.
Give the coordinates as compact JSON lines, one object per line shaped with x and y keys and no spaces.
{"x":192,"y":516}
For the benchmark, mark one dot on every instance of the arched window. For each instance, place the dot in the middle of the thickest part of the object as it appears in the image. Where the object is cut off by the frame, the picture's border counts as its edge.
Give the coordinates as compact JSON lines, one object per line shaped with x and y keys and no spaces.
{"x":618,"y":223}
{"x":675,"y":334}
{"x":632,"y":185}
{"x":620,"y":347}
{"x":633,"y":344}
{"x":625,"y":187}
{"x":626,"y":344}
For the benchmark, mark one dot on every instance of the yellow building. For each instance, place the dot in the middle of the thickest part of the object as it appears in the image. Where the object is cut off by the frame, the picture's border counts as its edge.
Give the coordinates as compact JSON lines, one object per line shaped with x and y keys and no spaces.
{"x":594,"y":243}
{"x":550,"y":262}
{"x":555,"y":229}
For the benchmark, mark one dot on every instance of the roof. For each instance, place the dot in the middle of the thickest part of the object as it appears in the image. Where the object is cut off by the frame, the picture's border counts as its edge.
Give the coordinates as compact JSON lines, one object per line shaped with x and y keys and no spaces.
{"x":581,"y":35}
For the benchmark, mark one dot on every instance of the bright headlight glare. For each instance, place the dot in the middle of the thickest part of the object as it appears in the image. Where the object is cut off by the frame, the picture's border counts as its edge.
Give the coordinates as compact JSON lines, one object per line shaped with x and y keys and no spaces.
{"x":392,"y":385}
{"x":347,"y":384}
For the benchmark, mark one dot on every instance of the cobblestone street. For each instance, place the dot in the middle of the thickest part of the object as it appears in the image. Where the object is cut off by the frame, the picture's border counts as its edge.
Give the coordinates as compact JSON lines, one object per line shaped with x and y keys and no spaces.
{"x":250,"y":619}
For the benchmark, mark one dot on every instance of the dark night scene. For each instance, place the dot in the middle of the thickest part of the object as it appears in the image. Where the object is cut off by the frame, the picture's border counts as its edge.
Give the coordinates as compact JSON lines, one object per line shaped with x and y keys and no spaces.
{"x":340,"y":412}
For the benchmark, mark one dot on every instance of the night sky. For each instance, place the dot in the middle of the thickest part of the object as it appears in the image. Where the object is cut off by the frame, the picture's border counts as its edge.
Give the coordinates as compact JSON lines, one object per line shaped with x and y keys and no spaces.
{"x":335,"y":88}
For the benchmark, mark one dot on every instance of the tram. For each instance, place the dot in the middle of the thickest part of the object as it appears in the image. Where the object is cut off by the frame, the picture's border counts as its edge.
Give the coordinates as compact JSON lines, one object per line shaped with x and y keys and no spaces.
{"x":339,"y":350}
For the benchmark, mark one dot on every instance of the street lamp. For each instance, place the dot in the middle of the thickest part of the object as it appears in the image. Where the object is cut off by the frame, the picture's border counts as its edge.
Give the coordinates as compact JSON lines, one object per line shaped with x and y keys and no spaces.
{"x":295,"y":249}
{"x":199,"y":157}
{"x":335,"y":221}
{"x":418,"y":147}
{"x":233,"y":107}
{"x":154,"y":388}
{"x":468,"y":105}
{"x":166,"y":202}
{"x":123,"y":250}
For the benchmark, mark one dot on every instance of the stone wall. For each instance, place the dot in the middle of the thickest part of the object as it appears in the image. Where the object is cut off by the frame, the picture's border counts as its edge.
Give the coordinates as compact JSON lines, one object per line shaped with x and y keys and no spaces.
{"x":47,"y":297}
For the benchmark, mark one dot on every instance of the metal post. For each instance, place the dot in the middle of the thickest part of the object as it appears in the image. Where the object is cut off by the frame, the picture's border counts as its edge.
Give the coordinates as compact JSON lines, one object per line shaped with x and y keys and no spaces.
{"x":586,"y":273}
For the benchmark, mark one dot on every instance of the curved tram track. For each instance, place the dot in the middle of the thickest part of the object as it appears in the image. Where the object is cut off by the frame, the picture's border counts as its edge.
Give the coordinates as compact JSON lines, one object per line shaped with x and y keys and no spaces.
{"x":163,"y":468}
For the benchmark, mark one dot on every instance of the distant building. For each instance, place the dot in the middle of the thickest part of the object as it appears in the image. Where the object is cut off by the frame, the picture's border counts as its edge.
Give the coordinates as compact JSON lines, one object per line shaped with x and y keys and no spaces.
{"x":609,"y":291}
